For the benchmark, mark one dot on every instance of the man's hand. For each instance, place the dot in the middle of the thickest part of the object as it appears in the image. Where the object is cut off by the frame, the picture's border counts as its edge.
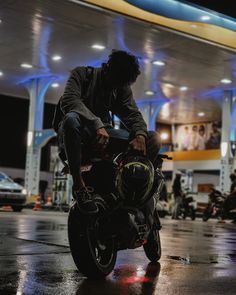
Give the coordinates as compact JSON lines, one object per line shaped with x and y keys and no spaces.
{"x":102,"y":138}
{"x":139,"y":144}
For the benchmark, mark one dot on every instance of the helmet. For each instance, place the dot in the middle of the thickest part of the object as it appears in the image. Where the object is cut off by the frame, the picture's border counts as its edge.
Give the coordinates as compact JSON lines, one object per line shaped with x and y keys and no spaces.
{"x":134,"y":180}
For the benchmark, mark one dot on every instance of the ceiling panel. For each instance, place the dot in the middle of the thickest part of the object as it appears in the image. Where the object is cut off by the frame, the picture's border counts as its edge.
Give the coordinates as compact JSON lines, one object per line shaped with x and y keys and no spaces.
{"x":35,"y":30}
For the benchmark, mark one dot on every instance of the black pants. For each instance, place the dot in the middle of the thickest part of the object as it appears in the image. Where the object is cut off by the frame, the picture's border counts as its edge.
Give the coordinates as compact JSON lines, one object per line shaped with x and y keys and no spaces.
{"x":73,"y":133}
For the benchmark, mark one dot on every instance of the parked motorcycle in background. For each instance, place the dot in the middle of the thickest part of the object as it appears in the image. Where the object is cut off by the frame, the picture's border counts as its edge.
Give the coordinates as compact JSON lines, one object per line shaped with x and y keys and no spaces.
{"x":188,"y":206}
{"x":162,"y":205}
{"x":215,"y":206}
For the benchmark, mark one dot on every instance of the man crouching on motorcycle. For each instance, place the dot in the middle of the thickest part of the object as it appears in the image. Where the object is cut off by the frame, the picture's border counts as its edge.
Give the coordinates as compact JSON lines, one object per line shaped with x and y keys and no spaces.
{"x":83,"y":117}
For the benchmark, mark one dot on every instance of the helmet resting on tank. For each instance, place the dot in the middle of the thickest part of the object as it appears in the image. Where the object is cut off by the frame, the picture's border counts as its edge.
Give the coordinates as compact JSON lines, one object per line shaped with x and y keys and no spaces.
{"x":134,"y":180}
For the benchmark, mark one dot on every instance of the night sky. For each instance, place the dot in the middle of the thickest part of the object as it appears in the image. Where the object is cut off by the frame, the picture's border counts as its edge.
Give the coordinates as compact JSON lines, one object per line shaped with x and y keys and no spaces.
{"x":224,"y":7}
{"x":13,"y":125}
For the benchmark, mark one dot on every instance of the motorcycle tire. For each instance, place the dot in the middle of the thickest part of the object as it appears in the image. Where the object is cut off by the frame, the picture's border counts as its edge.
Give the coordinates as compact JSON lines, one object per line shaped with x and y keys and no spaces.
{"x":193,"y":214}
{"x":152,"y":248}
{"x":93,"y":258}
{"x":206,"y":216}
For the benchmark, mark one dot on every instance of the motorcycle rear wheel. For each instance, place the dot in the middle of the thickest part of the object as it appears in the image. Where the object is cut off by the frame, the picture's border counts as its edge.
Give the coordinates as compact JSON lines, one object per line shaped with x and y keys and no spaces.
{"x":152,"y":248}
{"x":94,"y":258}
{"x":206,"y":215}
{"x":193,"y":214}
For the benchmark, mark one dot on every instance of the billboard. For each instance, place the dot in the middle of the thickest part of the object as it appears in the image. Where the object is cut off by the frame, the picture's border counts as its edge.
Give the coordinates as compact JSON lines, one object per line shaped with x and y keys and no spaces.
{"x":198,"y":136}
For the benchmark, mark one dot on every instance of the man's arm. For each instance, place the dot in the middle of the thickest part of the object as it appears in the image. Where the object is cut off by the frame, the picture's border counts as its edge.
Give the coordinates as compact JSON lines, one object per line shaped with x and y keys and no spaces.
{"x":72,"y":101}
{"x":128,"y":112}
{"x":126,"y":109}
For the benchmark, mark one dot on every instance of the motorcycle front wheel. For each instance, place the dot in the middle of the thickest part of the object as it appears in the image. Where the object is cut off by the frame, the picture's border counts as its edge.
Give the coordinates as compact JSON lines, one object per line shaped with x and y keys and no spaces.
{"x":207,"y":214}
{"x":94,"y":257}
{"x":152,"y":248}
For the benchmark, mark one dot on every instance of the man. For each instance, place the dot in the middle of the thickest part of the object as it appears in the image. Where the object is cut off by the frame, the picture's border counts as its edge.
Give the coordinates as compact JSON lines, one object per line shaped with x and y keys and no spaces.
{"x":230,"y":201}
{"x":233,"y":182}
{"x":178,"y":195}
{"x":194,"y":136}
{"x":83,"y":116}
{"x":215,"y":138}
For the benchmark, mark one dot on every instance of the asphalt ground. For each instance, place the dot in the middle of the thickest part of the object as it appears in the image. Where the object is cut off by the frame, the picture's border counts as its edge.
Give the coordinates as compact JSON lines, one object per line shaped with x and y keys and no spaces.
{"x":197,"y":258}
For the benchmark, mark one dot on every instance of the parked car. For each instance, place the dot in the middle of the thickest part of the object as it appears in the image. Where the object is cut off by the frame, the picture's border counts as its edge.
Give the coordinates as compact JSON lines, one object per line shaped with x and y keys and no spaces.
{"x":162,"y":208}
{"x":11,"y":193}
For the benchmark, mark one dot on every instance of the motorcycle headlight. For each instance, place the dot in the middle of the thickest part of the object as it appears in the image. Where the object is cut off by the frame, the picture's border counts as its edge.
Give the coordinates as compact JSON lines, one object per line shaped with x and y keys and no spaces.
{"x":24,"y":191}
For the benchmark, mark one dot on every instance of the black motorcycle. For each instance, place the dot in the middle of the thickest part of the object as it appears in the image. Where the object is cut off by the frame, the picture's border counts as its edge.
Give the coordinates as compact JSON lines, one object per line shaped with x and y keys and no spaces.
{"x":187,"y":207}
{"x":124,"y":221}
{"x":215,"y":206}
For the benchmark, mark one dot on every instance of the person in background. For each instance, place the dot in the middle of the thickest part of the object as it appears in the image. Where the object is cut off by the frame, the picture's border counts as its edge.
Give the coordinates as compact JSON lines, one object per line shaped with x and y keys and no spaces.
{"x":201,"y":143}
{"x":185,"y":139}
{"x":233,"y":182}
{"x":230,"y":201}
{"x":215,"y":138}
{"x":229,"y":204}
{"x":178,"y":195}
{"x":194,"y":137}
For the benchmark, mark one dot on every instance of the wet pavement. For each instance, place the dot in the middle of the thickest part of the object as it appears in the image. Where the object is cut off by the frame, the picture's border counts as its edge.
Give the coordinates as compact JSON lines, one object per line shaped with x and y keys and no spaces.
{"x":197,"y":258}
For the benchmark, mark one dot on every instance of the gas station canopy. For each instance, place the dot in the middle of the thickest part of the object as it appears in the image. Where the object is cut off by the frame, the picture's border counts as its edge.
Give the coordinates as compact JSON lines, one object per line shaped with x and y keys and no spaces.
{"x":186,"y":59}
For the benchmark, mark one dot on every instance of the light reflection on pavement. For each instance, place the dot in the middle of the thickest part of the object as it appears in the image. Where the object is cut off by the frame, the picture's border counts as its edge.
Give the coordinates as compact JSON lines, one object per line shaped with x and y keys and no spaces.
{"x":197,"y":258}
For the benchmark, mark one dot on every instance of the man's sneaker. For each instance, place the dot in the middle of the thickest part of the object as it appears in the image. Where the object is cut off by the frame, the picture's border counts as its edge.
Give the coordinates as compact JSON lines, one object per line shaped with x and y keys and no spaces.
{"x":84,"y":200}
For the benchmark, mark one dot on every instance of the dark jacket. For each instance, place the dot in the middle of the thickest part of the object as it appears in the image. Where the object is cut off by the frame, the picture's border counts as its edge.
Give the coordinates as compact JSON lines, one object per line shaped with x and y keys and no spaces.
{"x":177,"y":190}
{"x":232,"y":186}
{"x":86,"y":95}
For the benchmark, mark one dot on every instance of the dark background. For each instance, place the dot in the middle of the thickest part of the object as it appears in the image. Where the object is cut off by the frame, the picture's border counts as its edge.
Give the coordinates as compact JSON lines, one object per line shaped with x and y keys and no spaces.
{"x":226,"y":7}
{"x":13,"y":131}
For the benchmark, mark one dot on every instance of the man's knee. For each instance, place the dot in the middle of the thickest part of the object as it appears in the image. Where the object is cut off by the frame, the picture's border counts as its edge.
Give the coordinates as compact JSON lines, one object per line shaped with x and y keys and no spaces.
{"x":71,"y":121}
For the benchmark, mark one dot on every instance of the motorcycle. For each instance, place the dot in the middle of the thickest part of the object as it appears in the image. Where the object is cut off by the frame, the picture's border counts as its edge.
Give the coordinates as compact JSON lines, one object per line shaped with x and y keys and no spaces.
{"x":120,"y":223}
{"x":188,"y":208}
{"x":215,"y":206}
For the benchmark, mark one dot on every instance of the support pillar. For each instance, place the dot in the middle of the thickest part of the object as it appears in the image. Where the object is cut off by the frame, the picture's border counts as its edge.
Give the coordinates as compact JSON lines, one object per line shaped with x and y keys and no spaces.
{"x":150,"y":110}
{"x":227,"y":160}
{"x":36,"y":137}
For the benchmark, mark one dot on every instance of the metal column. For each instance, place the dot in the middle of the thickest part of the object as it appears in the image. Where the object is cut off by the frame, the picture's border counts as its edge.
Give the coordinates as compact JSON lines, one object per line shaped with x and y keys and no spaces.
{"x":150,"y":110}
{"x":226,"y":164}
{"x":36,"y":137}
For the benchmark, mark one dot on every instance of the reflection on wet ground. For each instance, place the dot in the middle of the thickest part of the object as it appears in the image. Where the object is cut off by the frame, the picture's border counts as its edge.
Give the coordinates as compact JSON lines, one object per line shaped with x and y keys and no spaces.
{"x":205,"y":259}
{"x":198,"y":258}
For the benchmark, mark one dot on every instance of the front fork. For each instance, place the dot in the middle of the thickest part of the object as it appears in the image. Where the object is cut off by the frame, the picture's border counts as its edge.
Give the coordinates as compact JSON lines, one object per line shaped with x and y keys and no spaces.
{"x":160,"y":179}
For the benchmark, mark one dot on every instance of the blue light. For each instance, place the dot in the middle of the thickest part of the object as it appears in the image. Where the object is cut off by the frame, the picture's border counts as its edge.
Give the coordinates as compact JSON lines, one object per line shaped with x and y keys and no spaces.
{"x":183,"y":11}
{"x":155,"y":104}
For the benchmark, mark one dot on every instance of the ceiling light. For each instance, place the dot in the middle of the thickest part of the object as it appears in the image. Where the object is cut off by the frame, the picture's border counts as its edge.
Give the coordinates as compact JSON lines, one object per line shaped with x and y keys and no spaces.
{"x":55,"y":85}
{"x":205,"y":17}
{"x":98,"y":46}
{"x":56,"y":57}
{"x":158,"y":63}
{"x":223,"y":148}
{"x":1,"y":73}
{"x":201,"y":114}
{"x":183,"y":88}
{"x":164,"y":135}
{"x":149,"y":92}
{"x":169,"y":85}
{"x":27,"y":66}
{"x":226,"y":81}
